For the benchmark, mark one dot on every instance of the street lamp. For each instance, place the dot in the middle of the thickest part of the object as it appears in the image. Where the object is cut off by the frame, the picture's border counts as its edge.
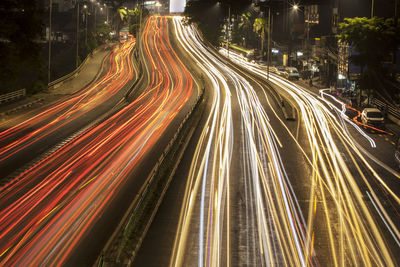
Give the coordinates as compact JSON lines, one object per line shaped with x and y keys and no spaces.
{"x":229,"y":26}
{"x":50,"y":13}
{"x":86,"y":19}
{"x":158,"y":4}
{"x":77,"y":34}
{"x":106,"y":7}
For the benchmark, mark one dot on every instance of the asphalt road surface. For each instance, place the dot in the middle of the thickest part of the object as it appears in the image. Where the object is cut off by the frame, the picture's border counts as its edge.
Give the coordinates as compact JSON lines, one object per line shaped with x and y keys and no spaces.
{"x":53,"y":123}
{"x":258,"y":190}
{"x":63,"y":209}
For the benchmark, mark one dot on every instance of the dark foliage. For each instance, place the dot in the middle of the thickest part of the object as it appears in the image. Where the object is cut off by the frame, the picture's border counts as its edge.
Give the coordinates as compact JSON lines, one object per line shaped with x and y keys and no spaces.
{"x":373,"y":40}
{"x":209,"y":15}
{"x":134,"y":19}
{"x":20,"y":47}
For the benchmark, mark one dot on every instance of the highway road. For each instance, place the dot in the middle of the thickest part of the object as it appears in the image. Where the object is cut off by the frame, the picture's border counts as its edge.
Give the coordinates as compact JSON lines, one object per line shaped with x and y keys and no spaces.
{"x":356,"y":192}
{"x":63,"y":209}
{"x":50,"y":125}
{"x":260,"y":190}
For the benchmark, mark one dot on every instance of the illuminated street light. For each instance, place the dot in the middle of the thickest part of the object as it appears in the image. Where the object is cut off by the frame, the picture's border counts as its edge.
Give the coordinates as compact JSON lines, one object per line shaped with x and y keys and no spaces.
{"x":295,"y":7}
{"x":158,"y":4}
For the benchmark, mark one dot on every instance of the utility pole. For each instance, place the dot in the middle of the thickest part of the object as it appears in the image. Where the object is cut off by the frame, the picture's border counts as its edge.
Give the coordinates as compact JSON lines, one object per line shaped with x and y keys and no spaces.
{"x":95,"y":14}
{"x":269,"y":41}
{"x":229,"y":25}
{"x":49,"y":66}
{"x":372,"y":9}
{"x":140,"y":22}
{"x":77,"y":34}
{"x":396,"y":22}
{"x":106,"y":12}
{"x":86,"y":19}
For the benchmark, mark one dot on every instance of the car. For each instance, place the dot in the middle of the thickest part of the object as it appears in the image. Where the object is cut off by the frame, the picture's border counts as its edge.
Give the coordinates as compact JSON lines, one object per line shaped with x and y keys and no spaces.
{"x":273,"y":69}
{"x":292,"y":73}
{"x":262,"y":63}
{"x":281,"y":70}
{"x":373,"y":117}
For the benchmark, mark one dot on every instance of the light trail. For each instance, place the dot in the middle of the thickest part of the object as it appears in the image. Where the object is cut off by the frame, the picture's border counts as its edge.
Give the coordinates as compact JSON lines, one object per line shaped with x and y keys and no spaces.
{"x":278,"y":232}
{"x":337,"y":181}
{"x":47,"y":211}
{"x":71,"y":108}
{"x":212,"y":159}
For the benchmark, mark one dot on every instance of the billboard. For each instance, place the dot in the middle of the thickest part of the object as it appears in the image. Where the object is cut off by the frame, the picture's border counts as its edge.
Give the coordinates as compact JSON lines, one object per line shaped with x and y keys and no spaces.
{"x":177,"y":6}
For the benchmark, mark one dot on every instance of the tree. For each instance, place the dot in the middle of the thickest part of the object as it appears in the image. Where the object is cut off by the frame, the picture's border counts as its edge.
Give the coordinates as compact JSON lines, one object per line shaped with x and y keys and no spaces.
{"x":245,"y":26}
{"x":134,"y":19}
{"x":211,"y":24}
{"x":259,"y":27}
{"x":372,"y":41}
{"x":119,"y":15}
{"x":208,"y":15}
{"x":20,"y":49}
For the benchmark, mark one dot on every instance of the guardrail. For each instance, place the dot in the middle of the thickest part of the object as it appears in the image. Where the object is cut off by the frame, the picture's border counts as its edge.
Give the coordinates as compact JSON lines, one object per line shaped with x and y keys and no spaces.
{"x":12,"y":96}
{"x":157,"y":167}
{"x":120,"y":232}
{"x":390,"y":109}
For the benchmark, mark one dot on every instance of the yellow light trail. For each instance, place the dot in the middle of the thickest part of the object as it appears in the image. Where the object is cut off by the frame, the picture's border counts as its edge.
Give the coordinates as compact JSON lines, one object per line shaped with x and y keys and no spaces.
{"x":340,"y":171}
{"x":273,"y":209}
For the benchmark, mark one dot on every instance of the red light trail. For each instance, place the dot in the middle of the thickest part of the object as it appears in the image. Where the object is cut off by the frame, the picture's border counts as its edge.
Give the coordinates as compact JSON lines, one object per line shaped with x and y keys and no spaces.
{"x":46,"y":211}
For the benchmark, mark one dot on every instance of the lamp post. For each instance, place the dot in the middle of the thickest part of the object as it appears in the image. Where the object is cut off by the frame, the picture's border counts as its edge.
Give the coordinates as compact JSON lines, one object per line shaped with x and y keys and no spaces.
{"x":229,"y":26}
{"x":269,"y":42}
{"x":77,"y":34}
{"x":158,"y":4}
{"x":140,"y":21}
{"x":86,"y":19}
{"x":106,"y":7}
{"x":269,"y":37}
{"x":49,"y":66}
{"x":372,"y":8}
{"x":95,"y":15}
{"x":295,"y":7}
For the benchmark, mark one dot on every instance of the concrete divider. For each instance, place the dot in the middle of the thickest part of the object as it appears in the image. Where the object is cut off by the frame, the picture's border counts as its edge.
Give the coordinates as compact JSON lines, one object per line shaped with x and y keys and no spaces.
{"x":114,"y":244}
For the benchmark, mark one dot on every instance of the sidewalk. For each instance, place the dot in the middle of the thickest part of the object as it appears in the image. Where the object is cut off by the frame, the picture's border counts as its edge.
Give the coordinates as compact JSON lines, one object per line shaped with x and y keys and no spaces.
{"x":86,"y":75}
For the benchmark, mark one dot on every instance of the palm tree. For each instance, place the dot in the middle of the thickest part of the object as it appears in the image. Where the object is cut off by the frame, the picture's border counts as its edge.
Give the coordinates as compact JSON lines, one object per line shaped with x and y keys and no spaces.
{"x":245,"y":25}
{"x":119,"y":14}
{"x":260,"y":26}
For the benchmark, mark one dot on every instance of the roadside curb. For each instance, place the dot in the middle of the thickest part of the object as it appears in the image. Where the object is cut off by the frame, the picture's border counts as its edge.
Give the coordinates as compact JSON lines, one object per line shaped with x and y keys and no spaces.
{"x":8,"y":112}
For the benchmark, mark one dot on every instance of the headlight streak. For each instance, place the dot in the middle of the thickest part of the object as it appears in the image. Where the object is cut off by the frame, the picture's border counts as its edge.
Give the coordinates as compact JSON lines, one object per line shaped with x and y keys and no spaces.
{"x":358,"y":230}
{"x":280,"y":236}
{"x":46,"y":211}
{"x":216,"y":144}
{"x":385,"y":218}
